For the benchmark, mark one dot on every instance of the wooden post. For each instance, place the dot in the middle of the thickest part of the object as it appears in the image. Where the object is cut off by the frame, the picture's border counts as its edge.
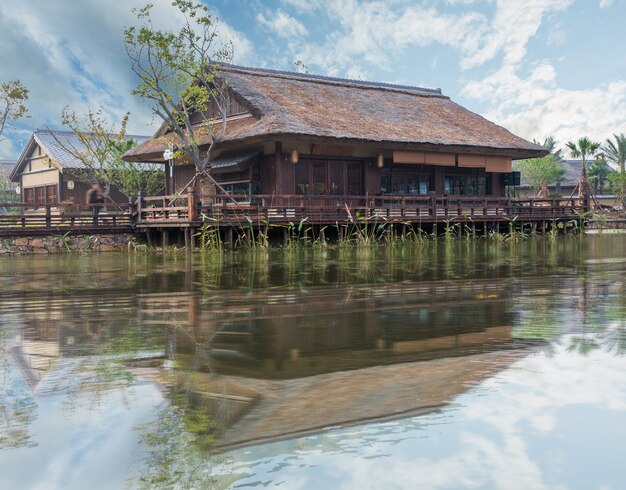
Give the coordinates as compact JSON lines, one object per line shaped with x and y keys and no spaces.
{"x":229,"y":236}
{"x":48,"y":216}
{"x":186,"y":234}
{"x":192,"y":204}
{"x":149,"y":237}
{"x":139,"y":206}
{"x":192,"y":239}
{"x":165,"y":238}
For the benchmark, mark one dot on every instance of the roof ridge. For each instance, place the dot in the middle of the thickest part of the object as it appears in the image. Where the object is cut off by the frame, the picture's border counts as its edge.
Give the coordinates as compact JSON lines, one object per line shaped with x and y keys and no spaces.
{"x":65,"y":131}
{"x":349,"y":82}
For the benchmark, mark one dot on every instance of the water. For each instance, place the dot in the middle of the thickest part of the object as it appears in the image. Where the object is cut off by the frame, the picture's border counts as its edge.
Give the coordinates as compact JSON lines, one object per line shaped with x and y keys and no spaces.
{"x":474,"y":365}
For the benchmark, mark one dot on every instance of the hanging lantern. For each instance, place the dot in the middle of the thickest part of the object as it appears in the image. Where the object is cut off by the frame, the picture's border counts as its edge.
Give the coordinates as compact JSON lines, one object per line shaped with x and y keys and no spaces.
{"x":380,"y":161}
{"x":294,"y":156}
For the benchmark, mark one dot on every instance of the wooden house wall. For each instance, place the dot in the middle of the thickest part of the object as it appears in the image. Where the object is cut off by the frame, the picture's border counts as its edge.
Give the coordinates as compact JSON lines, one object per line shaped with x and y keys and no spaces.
{"x":277,"y":174}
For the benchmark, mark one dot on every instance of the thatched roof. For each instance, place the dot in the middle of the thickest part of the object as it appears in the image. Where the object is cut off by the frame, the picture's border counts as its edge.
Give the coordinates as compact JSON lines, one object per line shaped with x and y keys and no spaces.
{"x":322,"y":109}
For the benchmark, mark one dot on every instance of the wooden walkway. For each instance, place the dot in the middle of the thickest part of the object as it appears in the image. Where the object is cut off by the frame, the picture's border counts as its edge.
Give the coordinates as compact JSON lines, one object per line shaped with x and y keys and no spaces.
{"x":190,"y":211}
{"x":28,"y":220}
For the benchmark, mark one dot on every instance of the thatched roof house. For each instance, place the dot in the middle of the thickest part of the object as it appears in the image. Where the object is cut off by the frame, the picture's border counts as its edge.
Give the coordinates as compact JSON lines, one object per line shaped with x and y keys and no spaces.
{"x":333,"y":118}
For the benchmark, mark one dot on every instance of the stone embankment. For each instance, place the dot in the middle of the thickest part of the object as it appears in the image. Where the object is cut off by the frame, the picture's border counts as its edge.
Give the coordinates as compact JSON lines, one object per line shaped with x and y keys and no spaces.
{"x":60,"y":244}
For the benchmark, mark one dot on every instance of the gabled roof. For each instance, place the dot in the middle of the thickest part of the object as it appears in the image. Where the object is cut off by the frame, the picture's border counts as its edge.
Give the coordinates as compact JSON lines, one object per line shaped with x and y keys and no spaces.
{"x":349,"y":111}
{"x":47,"y":140}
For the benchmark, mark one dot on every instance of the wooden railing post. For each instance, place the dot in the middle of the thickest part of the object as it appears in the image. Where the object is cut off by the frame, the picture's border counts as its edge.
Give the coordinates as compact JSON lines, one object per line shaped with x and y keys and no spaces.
{"x":131,"y":210}
{"x":192,"y":204}
{"x":139,"y":208}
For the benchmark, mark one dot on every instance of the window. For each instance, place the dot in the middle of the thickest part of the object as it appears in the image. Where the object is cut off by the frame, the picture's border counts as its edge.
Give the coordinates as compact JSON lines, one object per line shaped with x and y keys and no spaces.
{"x":405,"y":182}
{"x":465,"y":185}
{"x":42,"y":195}
{"x":29,"y":195}
{"x":329,"y":177}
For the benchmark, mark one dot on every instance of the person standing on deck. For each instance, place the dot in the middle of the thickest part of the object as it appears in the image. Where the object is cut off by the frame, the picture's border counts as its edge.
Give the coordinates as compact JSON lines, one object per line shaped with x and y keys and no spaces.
{"x":95,"y":199}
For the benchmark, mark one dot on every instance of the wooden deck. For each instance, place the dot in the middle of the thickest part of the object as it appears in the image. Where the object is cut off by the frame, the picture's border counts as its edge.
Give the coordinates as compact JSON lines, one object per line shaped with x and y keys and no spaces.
{"x":259,"y":210}
{"x":193,"y":211}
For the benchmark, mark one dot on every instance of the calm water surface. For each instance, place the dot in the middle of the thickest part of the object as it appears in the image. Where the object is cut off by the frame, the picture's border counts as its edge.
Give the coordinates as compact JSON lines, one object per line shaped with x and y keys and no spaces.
{"x":472,"y":365}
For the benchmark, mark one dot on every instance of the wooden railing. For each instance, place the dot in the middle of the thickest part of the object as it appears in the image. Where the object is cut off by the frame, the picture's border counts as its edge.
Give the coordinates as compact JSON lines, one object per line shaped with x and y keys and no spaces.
{"x":25,"y":218}
{"x":239,"y":210}
{"x":242,"y":210}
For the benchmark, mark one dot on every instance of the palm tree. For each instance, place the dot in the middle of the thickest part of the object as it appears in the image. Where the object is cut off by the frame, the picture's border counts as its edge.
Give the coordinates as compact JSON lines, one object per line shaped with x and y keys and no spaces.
{"x":615,"y":152}
{"x":598,"y":174}
{"x":550,"y":144}
{"x":583,"y":149}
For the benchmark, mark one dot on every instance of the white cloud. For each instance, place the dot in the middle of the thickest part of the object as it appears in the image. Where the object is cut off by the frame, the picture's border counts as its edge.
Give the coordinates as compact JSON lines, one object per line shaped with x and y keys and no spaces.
{"x":70,"y":53}
{"x":535,"y":106}
{"x":513,"y":25}
{"x":605,"y":4}
{"x":282,"y":24}
{"x":376,"y":32}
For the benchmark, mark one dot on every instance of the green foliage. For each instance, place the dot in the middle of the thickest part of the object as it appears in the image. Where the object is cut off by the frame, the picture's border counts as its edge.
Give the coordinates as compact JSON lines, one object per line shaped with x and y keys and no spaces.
{"x":614,"y":151}
{"x":598,"y":174}
{"x":177,"y":77}
{"x":550,"y":144}
{"x":583,"y":148}
{"x":540,"y":172}
{"x":100,"y":148}
{"x":13,"y":97}
{"x":132,"y":179}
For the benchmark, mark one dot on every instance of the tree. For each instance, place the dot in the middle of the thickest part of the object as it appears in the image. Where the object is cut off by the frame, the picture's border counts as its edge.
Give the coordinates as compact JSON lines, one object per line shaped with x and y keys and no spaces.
{"x":131,"y":179}
{"x":178,"y":77}
{"x":614,"y":151}
{"x":583,"y":148}
{"x":598,"y":174}
{"x":550,"y":144}
{"x":99,"y":146}
{"x":540,"y":173}
{"x":13,"y":97}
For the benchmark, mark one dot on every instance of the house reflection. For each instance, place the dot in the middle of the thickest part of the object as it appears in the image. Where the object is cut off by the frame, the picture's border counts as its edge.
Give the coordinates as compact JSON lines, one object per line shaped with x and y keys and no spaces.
{"x":286,"y":333}
{"x":279,"y":361}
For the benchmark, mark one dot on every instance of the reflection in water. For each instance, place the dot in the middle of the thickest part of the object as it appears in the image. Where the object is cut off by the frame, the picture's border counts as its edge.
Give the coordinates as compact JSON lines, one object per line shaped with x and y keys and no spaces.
{"x":198,"y":356}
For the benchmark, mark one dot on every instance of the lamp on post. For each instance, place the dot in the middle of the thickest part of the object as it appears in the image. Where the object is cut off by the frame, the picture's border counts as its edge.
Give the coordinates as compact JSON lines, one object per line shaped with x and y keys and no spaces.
{"x":168,"y":155}
{"x":380,"y":160}
{"x":294,"y":156}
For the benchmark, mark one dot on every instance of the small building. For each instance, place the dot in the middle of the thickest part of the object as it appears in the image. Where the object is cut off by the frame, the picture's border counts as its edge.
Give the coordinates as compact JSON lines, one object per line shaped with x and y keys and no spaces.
{"x":300,"y":134}
{"x":48,"y":173}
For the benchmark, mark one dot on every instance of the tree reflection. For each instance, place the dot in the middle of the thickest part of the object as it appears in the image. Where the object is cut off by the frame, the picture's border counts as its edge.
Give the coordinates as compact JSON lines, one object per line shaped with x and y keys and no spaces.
{"x":177,"y":442}
{"x":18,"y":409}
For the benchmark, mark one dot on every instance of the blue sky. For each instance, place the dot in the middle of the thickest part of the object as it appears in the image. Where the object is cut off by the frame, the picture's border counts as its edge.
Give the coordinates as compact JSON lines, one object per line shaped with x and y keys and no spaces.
{"x":538,"y":67}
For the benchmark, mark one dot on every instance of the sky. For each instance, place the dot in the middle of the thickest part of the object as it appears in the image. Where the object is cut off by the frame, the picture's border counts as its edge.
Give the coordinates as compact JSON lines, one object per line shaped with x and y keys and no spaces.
{"x":538,"y":67}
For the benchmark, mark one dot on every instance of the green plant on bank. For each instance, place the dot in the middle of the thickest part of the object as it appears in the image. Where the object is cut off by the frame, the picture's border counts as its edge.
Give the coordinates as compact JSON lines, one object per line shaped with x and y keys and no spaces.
{"x":209,"y":234}
{"x":450,"y":229}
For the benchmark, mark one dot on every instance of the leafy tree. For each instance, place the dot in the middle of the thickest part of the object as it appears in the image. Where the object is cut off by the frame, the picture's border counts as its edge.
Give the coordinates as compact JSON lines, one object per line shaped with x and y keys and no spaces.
{"x":13,"y":97}
{"x":614,"y":151}
{"x":132,"y":179}
{"x":583,"y":148}
{"x":178,"y":78}
{"x":540,"y":173}
{"x":99,"y":146}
